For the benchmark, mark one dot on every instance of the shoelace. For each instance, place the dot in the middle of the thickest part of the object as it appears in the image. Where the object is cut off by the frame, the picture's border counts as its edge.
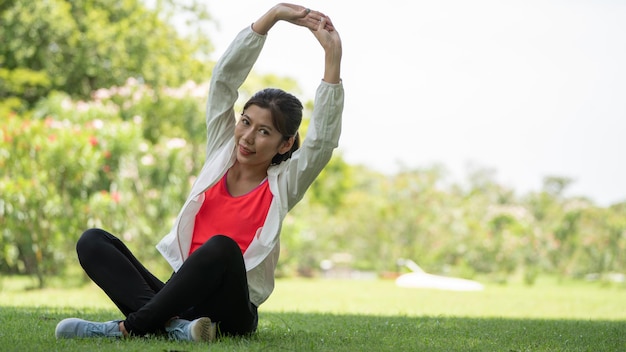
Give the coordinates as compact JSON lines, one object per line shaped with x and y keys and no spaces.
{"x":179,"y":332}
{"x":109,"y":328}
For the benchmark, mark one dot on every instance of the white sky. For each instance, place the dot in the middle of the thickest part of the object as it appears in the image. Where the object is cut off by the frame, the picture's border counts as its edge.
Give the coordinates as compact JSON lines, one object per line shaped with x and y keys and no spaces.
{"x":528,"y":88}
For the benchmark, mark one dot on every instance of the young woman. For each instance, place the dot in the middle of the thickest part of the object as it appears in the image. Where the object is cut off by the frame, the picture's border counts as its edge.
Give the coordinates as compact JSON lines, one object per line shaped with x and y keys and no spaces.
{"x":224,"y":244}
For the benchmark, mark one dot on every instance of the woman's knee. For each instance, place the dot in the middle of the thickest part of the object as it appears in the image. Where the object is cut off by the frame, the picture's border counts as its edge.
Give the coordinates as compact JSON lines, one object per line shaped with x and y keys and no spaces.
{"x":219,"y":246}
{"x":223,"y":243}
{"x":90,"y":240}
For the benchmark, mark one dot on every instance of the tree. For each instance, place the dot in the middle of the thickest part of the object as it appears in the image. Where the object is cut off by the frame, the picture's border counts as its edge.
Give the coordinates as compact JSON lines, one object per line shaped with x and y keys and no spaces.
{"x":79,"y":46}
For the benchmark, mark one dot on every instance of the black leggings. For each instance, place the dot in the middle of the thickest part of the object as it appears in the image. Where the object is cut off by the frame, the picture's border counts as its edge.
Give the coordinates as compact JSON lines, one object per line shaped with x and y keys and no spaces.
{"x":210,"y":283}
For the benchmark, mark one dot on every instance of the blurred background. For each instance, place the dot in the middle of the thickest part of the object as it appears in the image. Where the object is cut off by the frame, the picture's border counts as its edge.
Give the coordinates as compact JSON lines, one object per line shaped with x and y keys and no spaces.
{"x":481,"y":139}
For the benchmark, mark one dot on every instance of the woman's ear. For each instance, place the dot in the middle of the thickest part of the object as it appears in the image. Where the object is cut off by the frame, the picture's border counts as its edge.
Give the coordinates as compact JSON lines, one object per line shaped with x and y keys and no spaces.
{"x":286,"y":145}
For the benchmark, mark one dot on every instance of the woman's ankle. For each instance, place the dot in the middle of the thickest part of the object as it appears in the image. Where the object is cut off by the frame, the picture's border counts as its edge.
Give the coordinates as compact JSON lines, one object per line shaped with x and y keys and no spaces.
{"x":123,"y":329}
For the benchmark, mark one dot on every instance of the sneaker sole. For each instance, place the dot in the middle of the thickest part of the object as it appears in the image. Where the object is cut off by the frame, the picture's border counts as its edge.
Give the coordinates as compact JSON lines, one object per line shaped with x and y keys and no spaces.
{"x":203,"y":330}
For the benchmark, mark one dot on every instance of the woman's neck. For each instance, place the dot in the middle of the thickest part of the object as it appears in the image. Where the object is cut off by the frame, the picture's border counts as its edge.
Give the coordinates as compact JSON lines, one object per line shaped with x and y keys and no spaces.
{"x":241,"y":180}
{"x":247,"y":174}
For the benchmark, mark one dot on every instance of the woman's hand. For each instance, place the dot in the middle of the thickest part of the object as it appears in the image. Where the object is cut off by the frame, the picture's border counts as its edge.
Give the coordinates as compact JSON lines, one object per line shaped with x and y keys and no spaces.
{"x":301,"y":16}
{"x":328,"y":37}
{"x":296,"y":14}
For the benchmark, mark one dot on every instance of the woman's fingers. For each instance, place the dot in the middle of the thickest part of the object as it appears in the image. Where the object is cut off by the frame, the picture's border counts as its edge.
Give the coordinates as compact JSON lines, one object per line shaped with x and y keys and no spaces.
{"x":303,"y":16}
{"x":313,"y":18}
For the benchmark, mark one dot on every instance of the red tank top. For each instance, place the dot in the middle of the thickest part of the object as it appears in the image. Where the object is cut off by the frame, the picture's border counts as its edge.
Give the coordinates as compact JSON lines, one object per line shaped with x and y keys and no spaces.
{"x":239,"y":218}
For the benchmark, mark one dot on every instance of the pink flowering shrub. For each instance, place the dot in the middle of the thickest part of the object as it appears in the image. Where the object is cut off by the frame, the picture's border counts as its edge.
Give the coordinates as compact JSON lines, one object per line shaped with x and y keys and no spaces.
{"x":109,"y":162}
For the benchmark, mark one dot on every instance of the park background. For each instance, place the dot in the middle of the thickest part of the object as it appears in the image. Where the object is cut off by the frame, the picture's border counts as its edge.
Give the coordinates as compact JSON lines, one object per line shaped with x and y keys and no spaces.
{"x":102,"y":125}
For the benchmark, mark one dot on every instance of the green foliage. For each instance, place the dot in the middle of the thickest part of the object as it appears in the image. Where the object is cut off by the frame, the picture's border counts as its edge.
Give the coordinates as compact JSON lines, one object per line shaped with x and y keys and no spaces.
{"x":481,"y":229}
{"x":65,"y":168}
{"x":51,"y":170}
{"x":332,"y":185}
{"x":23,"y":82}
{"x":79,"y":46}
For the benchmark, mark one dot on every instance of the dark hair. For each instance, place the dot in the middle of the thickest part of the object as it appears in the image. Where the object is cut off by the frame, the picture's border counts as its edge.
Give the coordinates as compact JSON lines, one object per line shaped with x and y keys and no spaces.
{"x":286,"y":111}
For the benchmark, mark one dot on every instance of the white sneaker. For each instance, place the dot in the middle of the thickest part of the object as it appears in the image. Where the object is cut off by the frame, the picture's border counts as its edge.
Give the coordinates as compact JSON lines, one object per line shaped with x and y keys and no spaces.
{"x":201,"y":329}
{"x":72,"y":328}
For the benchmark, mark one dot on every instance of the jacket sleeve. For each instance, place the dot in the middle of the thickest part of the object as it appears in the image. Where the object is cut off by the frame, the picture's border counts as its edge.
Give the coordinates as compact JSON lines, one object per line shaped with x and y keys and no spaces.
{"x":321,"y":139}
{"x":229,"y":73}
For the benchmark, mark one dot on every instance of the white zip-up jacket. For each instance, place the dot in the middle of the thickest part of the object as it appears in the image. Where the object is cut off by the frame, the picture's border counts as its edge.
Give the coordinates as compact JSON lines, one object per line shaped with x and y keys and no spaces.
{"x":288,"y":181}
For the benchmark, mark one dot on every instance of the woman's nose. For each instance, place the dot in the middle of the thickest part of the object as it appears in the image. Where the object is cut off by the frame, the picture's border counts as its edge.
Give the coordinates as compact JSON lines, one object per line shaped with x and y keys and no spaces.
{"x":248,"y":136}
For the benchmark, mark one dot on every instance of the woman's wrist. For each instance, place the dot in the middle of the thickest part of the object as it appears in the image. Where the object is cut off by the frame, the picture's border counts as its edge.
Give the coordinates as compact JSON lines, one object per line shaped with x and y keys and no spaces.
{"x":332,"y":65}
{"x":265,"y":22}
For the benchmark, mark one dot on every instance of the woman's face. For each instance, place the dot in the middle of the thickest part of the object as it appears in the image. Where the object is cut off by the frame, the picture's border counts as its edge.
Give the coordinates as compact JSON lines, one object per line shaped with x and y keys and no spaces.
{"x":258,"y":140}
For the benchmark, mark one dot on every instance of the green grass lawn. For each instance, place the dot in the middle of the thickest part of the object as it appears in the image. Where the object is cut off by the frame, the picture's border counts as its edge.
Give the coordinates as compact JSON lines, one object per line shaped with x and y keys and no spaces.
{"x":338,"y":315}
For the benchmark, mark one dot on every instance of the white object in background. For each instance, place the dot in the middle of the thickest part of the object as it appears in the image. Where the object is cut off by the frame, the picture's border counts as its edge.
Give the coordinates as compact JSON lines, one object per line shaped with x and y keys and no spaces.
{"x":420,"y":279}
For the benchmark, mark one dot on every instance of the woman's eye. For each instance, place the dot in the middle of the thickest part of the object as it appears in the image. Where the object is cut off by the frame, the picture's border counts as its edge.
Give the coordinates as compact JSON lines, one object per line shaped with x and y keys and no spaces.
{"x":264,"y":132}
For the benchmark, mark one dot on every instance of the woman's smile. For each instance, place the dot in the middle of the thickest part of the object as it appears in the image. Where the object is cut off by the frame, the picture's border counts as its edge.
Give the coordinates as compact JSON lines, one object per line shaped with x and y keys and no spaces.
{"x":245,"y":151}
